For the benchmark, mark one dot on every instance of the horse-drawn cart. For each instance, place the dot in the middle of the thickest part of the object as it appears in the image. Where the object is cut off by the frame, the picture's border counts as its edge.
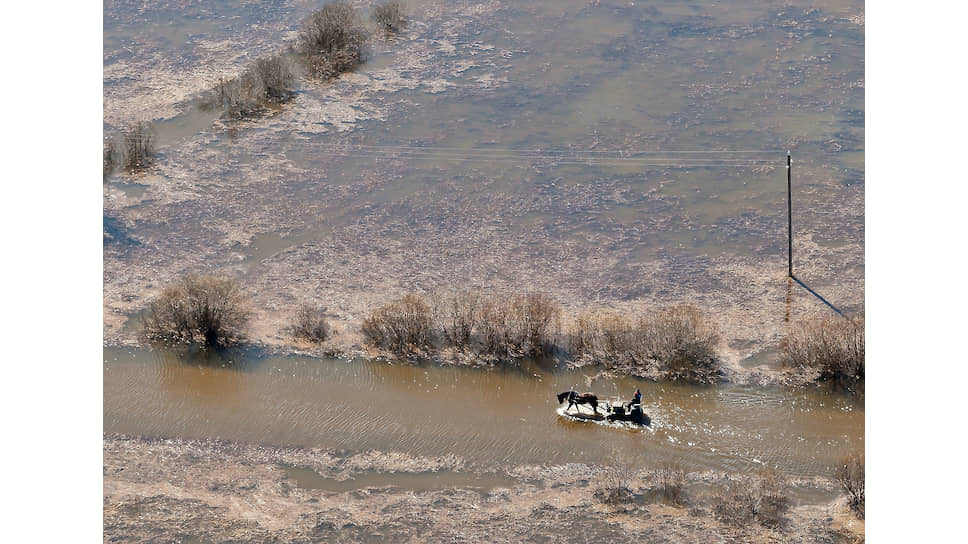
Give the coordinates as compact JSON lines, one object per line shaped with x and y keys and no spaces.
{"x":585,"y":407}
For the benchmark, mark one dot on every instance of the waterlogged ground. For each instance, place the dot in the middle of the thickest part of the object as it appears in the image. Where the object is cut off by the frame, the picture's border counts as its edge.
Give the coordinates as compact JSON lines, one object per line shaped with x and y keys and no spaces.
{"x":189,"y":491}
{"x":326,"y":199}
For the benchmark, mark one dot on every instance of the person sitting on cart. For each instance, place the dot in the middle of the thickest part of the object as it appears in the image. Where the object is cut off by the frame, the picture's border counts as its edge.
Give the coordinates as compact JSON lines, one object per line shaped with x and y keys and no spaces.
{"x":636,"y":399}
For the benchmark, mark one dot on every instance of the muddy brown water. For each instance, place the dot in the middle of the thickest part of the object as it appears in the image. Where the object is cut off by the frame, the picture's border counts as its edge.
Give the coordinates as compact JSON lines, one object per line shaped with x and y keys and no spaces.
{"x":492,"y":417}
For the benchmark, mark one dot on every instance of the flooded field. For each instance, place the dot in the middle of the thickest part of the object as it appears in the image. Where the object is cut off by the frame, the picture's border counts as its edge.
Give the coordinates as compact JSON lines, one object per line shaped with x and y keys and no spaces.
{"x":474,"y":149}
{"x":488,"y":417}
{"x":610,"y":154}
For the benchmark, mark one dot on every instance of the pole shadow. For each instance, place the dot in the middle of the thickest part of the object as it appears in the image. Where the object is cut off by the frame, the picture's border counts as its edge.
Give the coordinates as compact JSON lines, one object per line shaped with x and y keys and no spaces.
{"x":820,"y":298}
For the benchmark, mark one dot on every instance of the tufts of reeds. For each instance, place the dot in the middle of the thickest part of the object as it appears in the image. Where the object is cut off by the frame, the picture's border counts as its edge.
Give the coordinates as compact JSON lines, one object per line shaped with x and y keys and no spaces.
{"x":131,"y":150}
{"x":209,"y":310}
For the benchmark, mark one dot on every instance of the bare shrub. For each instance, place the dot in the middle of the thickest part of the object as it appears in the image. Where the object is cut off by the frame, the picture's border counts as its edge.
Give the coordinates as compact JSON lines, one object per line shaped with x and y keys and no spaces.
{"x":681,"y":342}
{"x":455,"y":316}
{"x":851,"y":478}
{"x":491,"y":323}
{"x":268,"y":81}
{"x":762,"y":498}
{"x":668,"y":481}
{"x":834,"y":348}
{"x":276,"y":75}
{"x":403,"y":326}
{"x":332,"y":41}
{"x":615,"y":484}
{"x":203,"y":309}
{"x":605,"y":337}
{"x":389,"y":16}
{"x":519,"y":326}
{"x":675,"y":343}
{"x":310,"y":324}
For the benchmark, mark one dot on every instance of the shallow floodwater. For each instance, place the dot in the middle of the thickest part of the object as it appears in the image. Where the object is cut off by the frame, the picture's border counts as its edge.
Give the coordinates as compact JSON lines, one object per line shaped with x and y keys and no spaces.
{"x":488,"y":416}
{"x":577,"y":76}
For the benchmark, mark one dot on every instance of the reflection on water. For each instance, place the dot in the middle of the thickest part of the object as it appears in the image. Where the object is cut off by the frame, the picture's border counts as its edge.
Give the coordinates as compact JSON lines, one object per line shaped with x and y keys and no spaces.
{"x":488,"y":416}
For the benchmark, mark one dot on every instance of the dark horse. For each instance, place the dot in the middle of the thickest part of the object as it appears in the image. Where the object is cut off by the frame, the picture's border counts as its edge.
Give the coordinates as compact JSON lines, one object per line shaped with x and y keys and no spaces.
{"x":574,"y":398}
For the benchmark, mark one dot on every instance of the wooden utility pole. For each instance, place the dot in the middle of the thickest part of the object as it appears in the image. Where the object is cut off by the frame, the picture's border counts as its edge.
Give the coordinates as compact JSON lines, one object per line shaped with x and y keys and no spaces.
{"x":790,"y":214}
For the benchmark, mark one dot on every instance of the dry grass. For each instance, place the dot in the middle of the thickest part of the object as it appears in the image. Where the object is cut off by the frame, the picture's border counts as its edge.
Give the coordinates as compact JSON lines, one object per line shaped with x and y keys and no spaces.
{"x":389,"y":16}
{"x":676,"y":343}
{"x":403,"y":327}
{"x":762,"y":498}
{"x":203,"y":309}
{"x":332,"y":41}
{"x":833,"y":348}
{"x":310,"y":324}
{"x":851,"y":478}
{"x":268,"y":81}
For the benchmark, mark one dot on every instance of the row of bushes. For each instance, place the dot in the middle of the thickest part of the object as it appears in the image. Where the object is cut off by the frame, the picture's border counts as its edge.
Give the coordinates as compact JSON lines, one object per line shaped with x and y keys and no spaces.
{"x":503,"y":327}
{"x":333,"y":40}
{"x":674,"y":343}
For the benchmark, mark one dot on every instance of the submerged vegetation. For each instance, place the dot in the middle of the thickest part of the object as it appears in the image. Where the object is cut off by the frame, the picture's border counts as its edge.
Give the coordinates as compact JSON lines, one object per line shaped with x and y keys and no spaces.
{"x":208,"y":310}
{"x":131,"y":150}
{"x":833,"y":349}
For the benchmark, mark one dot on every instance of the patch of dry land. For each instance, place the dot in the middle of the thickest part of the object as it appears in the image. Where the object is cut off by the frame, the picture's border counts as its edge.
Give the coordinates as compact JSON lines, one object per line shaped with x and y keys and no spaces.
{"x":167,"y":490}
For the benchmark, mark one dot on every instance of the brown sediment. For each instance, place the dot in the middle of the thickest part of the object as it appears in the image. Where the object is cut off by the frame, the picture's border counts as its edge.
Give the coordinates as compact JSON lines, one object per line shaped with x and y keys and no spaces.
{"x":213,"y":491}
